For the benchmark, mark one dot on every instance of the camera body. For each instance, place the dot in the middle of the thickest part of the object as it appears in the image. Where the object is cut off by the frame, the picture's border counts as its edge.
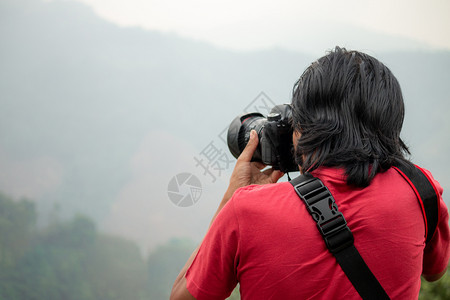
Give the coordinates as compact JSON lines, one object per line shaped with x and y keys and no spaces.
{"x":275,"y":146}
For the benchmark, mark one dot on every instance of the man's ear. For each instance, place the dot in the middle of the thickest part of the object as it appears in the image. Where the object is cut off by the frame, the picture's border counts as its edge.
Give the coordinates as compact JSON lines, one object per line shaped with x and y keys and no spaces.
{"x":295,"y":136}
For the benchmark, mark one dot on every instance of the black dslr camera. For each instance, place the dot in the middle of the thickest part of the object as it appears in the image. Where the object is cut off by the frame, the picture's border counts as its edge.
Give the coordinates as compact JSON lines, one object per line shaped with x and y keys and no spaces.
{"x":275,"y":146}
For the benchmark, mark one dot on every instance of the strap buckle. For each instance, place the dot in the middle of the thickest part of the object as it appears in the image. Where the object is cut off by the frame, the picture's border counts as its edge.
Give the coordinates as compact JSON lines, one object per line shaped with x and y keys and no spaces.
{"x":322,"y":207}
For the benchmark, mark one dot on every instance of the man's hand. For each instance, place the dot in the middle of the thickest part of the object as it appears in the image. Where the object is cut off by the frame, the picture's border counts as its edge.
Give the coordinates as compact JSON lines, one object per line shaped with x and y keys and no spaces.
{"x":246,"y":172}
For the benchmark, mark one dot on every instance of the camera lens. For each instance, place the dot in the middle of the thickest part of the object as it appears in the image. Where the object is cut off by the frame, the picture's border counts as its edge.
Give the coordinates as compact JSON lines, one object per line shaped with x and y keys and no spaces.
{"x":239,"y":133}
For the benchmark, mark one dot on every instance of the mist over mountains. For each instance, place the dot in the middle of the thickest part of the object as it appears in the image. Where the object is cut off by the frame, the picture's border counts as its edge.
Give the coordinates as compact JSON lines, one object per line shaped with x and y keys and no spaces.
{"x":95,"y":118}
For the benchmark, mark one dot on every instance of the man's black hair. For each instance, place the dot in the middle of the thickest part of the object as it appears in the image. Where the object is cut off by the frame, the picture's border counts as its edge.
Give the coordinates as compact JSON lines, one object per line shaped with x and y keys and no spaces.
{"x":349,"y":109}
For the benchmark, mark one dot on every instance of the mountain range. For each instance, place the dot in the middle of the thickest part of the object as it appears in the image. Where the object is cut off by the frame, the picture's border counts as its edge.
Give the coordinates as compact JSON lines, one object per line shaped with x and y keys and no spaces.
{"x":97,"y":119}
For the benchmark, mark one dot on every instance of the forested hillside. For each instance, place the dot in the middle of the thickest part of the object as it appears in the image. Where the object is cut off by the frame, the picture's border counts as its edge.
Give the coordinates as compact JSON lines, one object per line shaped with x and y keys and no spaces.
{"x":72,"y":260}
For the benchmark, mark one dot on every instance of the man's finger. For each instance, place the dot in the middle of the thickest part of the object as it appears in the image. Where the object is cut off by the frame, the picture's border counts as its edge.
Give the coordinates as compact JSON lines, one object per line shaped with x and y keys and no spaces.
{"x":259,"y":165}
{"x":250,"y":148}
{"x":273,"y":174}
{"x":276,"y":175}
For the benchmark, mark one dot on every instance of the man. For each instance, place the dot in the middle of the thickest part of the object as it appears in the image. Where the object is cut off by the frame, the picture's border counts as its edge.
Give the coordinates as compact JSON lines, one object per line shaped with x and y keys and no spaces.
{"x":347,"y":115}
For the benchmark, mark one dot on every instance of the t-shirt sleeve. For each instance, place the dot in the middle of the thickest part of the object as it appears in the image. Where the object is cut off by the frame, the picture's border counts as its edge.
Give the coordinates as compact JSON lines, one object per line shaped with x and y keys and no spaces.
{"x":212,"y":274}
{"x":437,"y":251}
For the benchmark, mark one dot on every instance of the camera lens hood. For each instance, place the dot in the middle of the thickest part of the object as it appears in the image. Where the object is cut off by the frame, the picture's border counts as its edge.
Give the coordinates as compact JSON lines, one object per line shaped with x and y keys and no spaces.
{"x":236,"y":136}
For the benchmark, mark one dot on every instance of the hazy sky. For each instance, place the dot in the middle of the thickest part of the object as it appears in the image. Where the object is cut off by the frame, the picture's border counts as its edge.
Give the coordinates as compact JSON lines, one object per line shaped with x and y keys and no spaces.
{"x":256,"y":24}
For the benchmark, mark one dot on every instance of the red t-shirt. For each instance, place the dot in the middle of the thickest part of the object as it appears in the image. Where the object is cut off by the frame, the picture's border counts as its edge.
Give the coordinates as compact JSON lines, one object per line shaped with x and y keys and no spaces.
{"x":265,"y":240}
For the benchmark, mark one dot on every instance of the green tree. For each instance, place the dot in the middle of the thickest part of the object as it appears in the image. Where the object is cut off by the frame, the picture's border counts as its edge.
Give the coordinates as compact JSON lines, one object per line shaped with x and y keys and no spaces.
{"x":17,"y":224}
{"x":164,"y":264}
{"x":17,"y":229}
{"x":55,"y":265}
{"x":116,"y":270}
{"x":439,"y":290}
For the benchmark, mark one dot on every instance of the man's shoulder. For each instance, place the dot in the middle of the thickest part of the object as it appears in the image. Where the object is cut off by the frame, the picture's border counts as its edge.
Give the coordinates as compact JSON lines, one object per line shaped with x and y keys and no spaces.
{"x":257,"y":190}
{"x":262,"y":197}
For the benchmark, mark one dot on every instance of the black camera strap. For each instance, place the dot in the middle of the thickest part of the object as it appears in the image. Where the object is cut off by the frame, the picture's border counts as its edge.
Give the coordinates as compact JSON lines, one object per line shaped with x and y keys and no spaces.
{"x":337,"y":235}
{"x":427,"y":195}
